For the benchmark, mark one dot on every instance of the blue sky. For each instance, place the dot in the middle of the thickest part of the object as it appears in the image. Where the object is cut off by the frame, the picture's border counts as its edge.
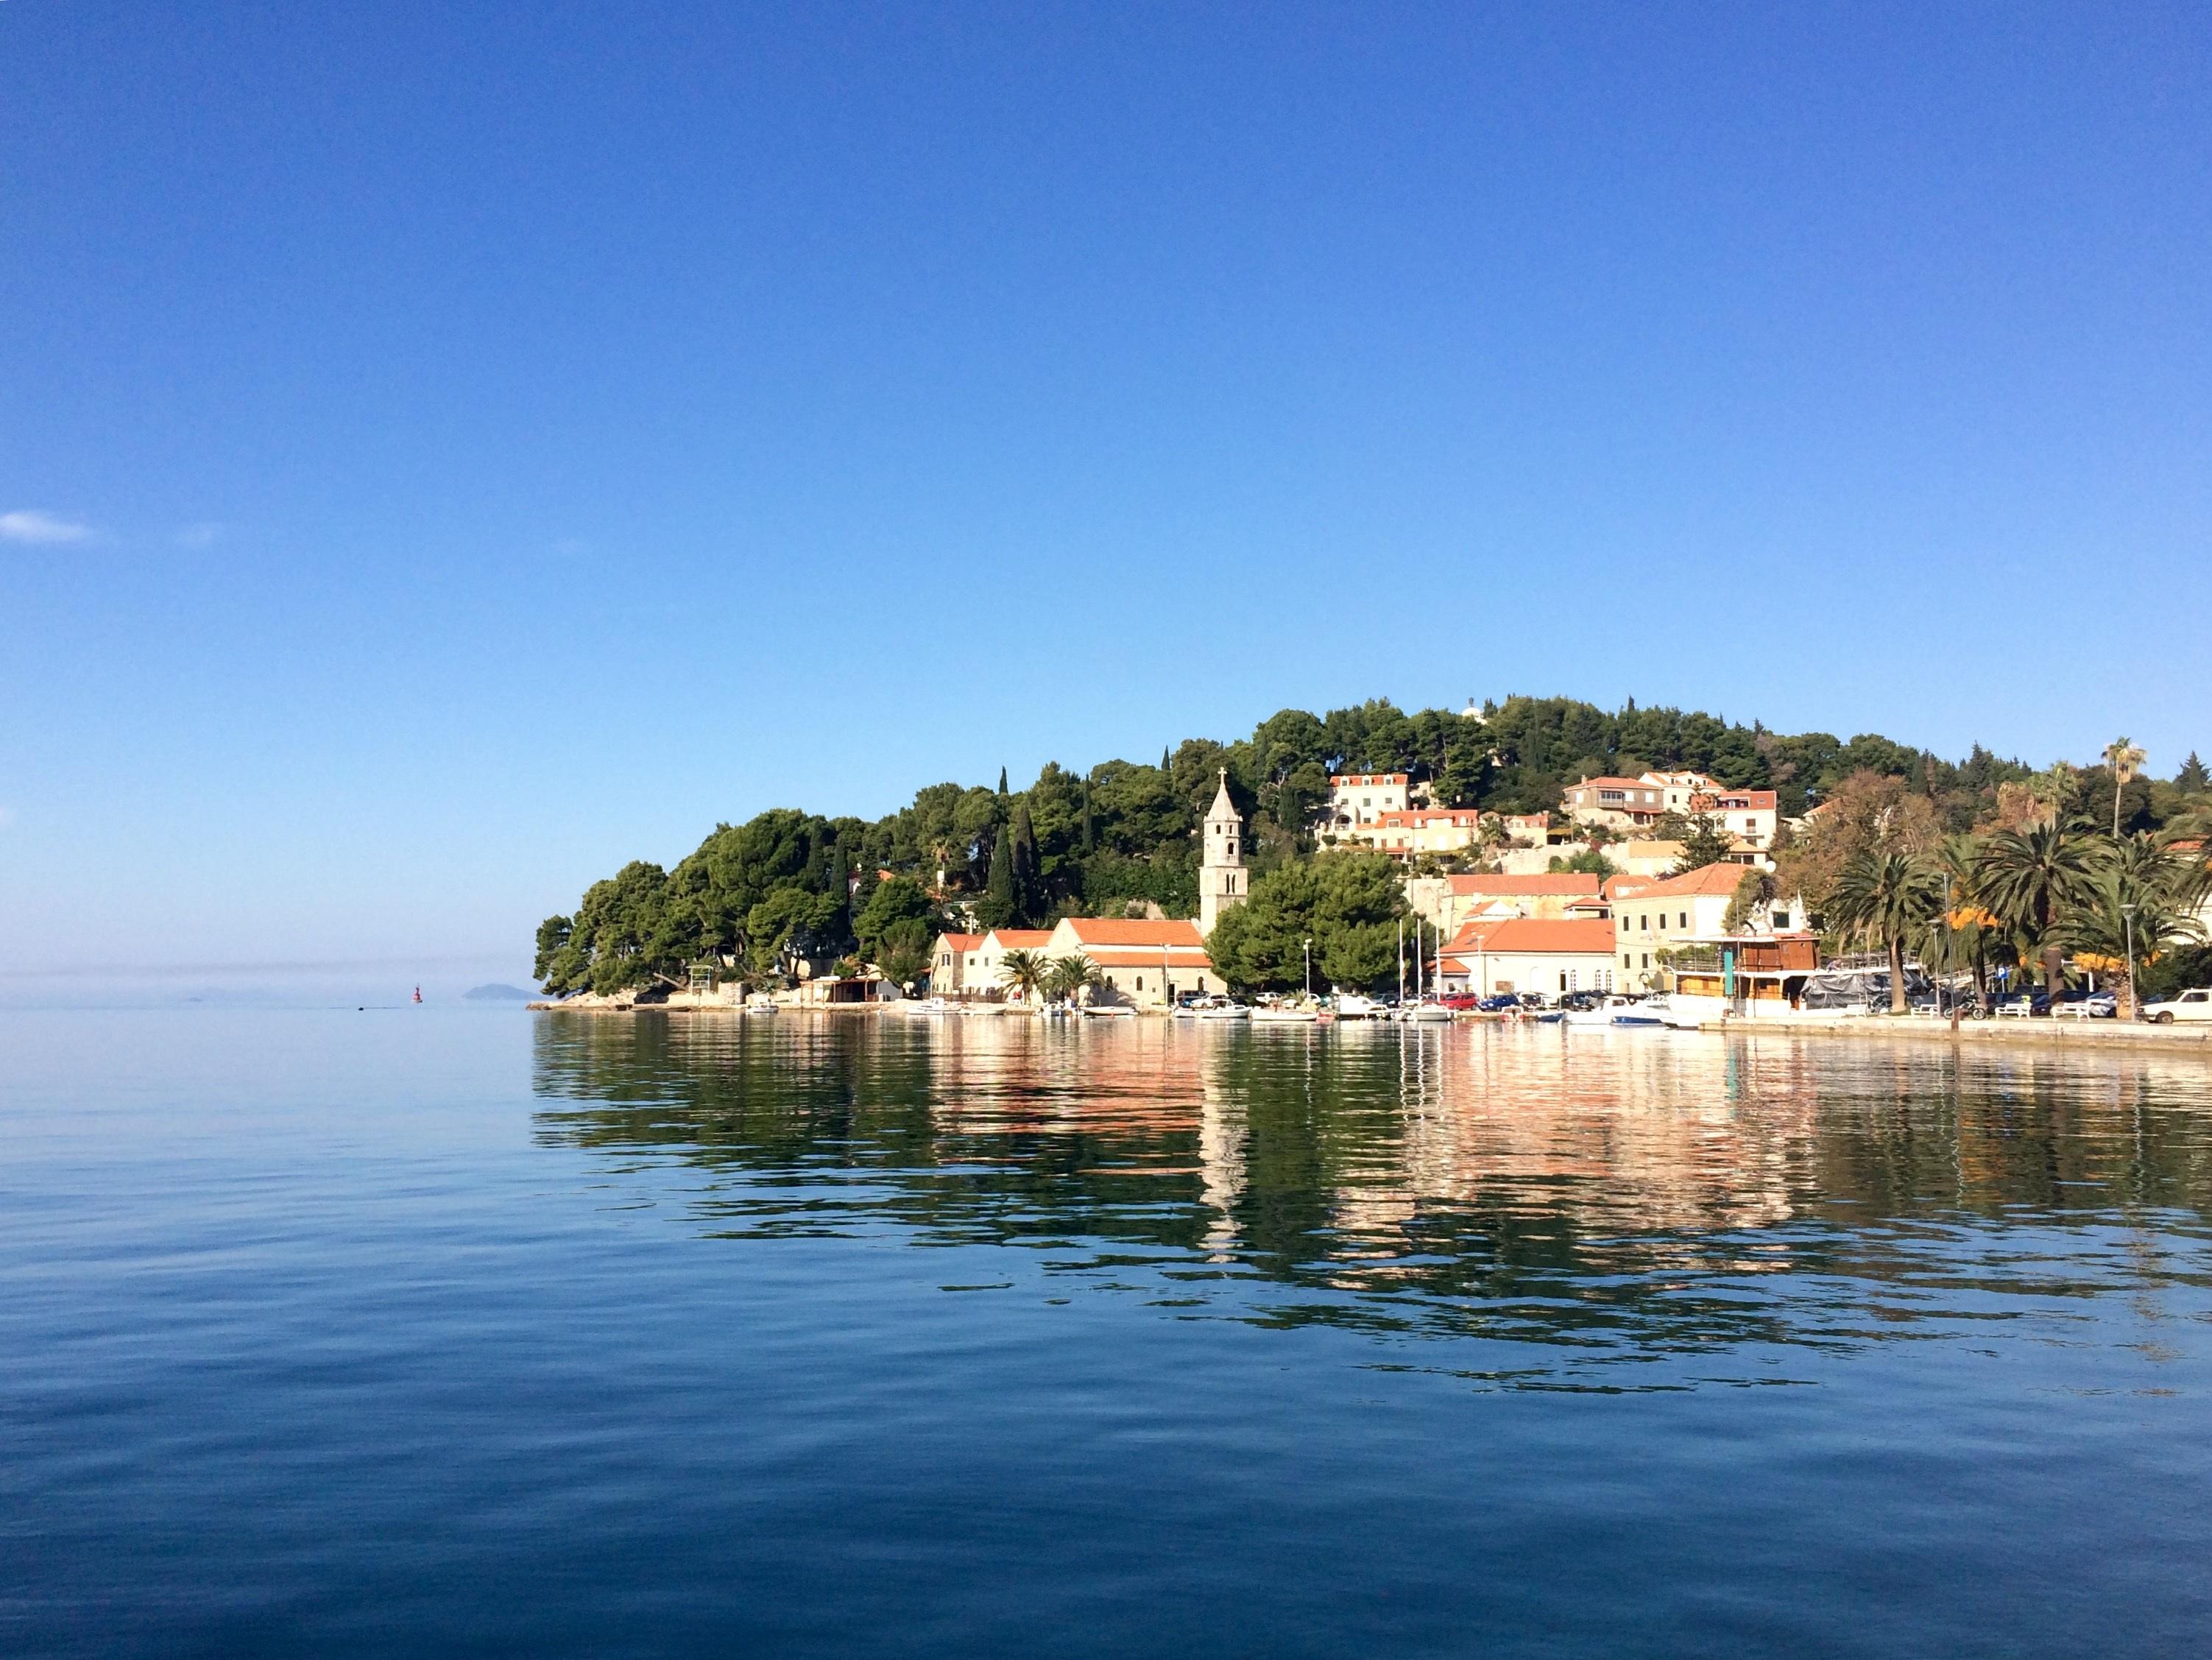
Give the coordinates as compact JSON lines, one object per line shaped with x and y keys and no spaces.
{"x":447,"y":451}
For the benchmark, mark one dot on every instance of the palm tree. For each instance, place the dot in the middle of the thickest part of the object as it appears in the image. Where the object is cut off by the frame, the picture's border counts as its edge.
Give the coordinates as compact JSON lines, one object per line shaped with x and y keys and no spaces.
{"x":2031,"y":879}
{"x":1962,"y":933}
{"x":2123,"y":758}
{"x":1024,"y":972}
{"x":2143,"y":906}
{"x":1070,"y":977}
{"x":1881,"y":898}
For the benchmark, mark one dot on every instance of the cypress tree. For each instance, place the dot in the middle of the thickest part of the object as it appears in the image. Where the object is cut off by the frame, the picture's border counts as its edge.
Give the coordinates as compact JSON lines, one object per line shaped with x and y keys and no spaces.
{"x":999,"y":910}
{"x":1166,"y":765}
{"x":1002,"y":781}
{"x":1090,"y":832}
{"x":841,"y":890}
{"x":1025,"y":865}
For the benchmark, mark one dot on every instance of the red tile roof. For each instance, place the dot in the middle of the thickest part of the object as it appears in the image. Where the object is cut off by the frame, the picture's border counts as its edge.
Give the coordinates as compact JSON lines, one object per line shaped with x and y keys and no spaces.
{"x":1135,"y":931}
{"x":1572,"y":884}
{"x":963,"y":941}
{"x":1622,"y":885}
{"x":1021,"y":938}
{"x":1146,"y":959}
{"x":1709,"y":879}
{"x":1577,"y":936}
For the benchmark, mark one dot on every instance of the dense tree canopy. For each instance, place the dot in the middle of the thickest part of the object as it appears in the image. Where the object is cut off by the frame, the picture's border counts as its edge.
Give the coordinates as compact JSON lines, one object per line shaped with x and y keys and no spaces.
{"x":756,"y":898}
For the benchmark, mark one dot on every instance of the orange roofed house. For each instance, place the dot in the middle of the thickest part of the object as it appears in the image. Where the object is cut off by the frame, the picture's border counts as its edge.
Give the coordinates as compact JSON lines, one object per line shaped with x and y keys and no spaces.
{"x":1530,"y":953}
{"x":1145,"y":963}
{"x":1677,"y":910}
{"x":948,"y":963}
{"x":979,"y":967}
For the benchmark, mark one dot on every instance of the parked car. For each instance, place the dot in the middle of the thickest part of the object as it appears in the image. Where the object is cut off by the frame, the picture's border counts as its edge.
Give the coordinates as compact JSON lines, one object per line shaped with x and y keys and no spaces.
{"x":1458,"y":1000}
{"x":2196,"y":1004}
{"x":1499,"y":1003}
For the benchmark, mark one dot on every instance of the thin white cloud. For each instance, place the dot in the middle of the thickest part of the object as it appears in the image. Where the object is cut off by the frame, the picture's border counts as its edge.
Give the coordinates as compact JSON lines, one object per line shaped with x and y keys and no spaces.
{"x":29,"y":525}
{"x":204,"y":534}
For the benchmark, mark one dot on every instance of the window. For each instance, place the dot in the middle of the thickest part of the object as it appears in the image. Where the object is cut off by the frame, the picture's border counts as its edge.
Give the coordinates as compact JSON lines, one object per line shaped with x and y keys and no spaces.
{"x":1140,"y":983}
{"x":1647,"y":959}
{"x":1624,"y":960}
{"x":1781,"y":921}
{"x":1644,"y":922}
{"x":1685,"y":922}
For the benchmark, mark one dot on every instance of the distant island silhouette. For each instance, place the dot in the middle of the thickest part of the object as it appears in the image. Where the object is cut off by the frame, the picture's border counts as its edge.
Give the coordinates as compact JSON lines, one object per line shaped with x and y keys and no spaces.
{"x":496,"y":994}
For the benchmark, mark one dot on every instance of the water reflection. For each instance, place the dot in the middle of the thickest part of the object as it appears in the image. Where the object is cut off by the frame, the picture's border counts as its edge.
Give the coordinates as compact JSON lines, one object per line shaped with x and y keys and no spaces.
{"x":1613,"y":1197}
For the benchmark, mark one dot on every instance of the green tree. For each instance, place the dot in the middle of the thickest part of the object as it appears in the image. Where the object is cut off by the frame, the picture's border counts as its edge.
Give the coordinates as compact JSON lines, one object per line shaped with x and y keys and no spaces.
{"x":1349,"y":904}
{"x":2193,"y":779}
{"x":1755,"y":892}
{"x":1028,"y":876}
{"x":901,"y":899}
{"x":901,"y":952}
{"x":1000,"y":906}
{"x":1882,"y":898}
{"x":2031,"y":879}
{"x":1705,"y":843}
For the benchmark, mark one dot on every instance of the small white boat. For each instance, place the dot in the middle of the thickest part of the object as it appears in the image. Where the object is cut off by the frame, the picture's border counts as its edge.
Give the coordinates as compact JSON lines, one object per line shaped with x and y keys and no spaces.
{"x":1351,"y":1005}
{"x":1615,"y":1012}
{"x":1225,"y":1012}
{"x":1108,"y":1011}
{"x":760,"y":1006}
{"x":1278,"y":1015}
{"x":1425,"y":1013}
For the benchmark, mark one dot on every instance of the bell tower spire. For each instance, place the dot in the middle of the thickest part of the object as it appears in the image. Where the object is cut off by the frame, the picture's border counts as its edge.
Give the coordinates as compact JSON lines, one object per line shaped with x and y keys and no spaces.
{"x":1221,"y":876}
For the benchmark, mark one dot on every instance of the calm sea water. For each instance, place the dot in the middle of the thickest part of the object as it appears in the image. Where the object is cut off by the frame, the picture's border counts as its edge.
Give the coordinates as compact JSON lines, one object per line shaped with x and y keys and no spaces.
{"x":419,"y":1332}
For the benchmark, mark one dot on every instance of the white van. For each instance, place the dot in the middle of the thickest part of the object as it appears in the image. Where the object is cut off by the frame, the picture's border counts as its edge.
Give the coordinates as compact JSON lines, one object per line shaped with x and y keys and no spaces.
{"x":2190,"y":1005}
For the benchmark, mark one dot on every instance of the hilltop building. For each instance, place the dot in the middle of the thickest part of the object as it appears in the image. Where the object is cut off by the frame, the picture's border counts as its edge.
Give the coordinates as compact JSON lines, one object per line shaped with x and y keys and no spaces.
{"x":1362,"y":797}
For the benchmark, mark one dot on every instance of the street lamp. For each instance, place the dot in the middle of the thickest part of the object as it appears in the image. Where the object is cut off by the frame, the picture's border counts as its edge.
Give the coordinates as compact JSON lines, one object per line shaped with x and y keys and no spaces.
{"x":2128,"y":921}
{"x":1308,"y":951}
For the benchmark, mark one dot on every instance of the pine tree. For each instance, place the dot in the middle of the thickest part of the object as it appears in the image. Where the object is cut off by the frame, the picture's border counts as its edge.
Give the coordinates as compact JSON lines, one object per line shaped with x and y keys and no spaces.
{"x":1002,"y":781}
{"x":1166,"y":764}
{"x":1089,"y":829}
{"x":2192,"y":777}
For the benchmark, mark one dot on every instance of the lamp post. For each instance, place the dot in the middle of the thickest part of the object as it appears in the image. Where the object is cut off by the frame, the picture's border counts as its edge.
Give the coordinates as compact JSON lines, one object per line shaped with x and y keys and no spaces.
{"x":2128,"y":921}
{"x":1309,"y":952}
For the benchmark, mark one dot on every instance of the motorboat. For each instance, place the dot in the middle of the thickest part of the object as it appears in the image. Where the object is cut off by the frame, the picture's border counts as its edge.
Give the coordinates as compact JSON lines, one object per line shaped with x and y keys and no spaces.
{"x":1224,"y":1012}
{"x":1353,"y":1005}
{"x":1425,"y":1013}
{"x":760,"y":1006}
{"x":1108,"y":1012}
{"x":1615,"y":1012}
{"x":1283,"y":1014}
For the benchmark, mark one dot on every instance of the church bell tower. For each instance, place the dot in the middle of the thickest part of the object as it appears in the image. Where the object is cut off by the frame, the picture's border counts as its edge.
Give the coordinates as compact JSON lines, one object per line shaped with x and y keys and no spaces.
{"x":1221,"y":876}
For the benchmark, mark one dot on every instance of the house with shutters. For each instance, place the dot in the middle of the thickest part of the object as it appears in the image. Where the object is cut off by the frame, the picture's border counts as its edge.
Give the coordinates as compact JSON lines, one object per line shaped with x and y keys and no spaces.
{"x":1675,"y":911}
